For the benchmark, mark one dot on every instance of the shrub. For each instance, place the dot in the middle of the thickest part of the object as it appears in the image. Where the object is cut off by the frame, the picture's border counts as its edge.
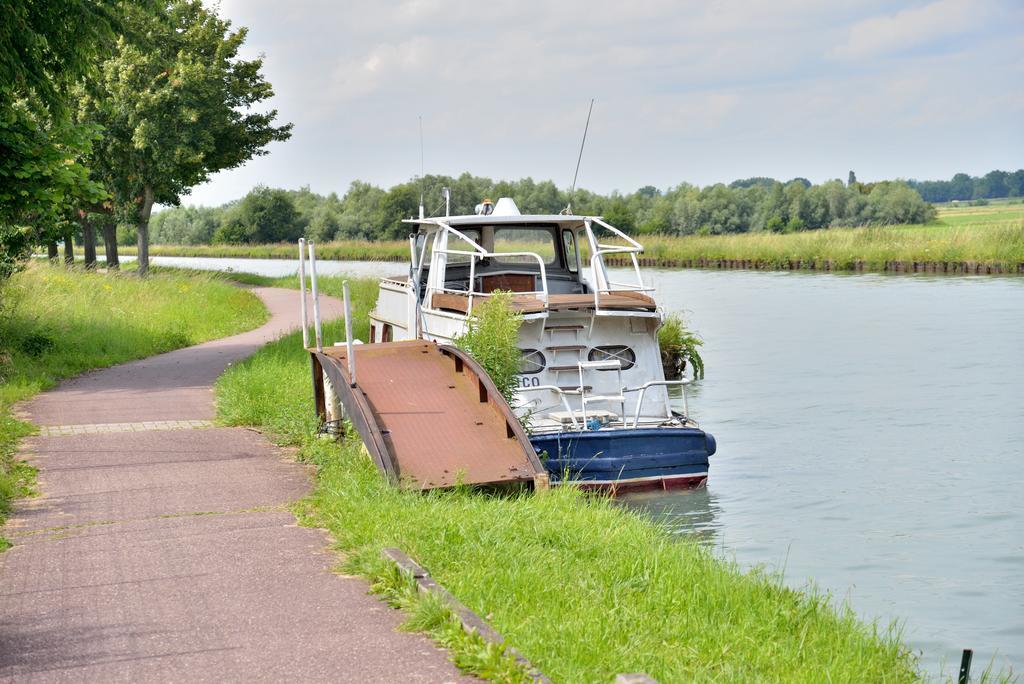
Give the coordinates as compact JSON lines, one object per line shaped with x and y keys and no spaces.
{"x":493,"y":340}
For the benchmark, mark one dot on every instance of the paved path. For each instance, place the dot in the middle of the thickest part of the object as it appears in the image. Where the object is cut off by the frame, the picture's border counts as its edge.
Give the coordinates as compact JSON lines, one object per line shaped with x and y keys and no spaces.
{"x":162,"y":548}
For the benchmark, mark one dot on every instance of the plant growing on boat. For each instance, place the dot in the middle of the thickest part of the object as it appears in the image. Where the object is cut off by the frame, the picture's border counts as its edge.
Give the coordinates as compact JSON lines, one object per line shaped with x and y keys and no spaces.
{"x":679,"y":346}
{"x":492,"y":338}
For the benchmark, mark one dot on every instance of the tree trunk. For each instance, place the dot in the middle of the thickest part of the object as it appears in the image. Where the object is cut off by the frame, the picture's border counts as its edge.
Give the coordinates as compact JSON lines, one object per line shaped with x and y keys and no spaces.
{"x":143,"y":229}
{"x":110,"y":242}
{"x":69,"y":250}
{"x":52,"y":252}
{"x":88,"y":240}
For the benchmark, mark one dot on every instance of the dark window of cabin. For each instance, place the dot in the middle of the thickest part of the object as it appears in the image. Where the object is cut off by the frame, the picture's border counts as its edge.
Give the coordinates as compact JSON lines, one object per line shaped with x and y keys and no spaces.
{"x":540,"y":241}
{"x":569,"y":249}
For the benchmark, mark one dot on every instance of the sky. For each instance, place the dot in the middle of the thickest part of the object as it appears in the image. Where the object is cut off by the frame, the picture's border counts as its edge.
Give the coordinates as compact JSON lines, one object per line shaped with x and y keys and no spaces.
{"x":685,"y":91}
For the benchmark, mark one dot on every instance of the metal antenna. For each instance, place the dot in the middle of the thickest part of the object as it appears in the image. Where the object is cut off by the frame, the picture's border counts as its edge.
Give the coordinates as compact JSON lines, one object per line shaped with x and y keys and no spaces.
{"x":572,"y":192}
{"x":421,"y":166}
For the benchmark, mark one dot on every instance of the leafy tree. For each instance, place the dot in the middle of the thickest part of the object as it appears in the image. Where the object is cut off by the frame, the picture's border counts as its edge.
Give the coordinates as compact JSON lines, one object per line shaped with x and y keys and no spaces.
{"x":400,"y":202}
{"x":185,"y":225}
{"x":617,"y":213}
{"x":40,"y":179}
{"x":754,"y":182}
{"x":44,"y":48}
{"x":895,"y":202}
{"x":47,"y":46}
{"x":362,"y":214}
{"x":992,"y":185}
{"x":370,"y":212}
{"x":774,"y":224}
{"x":324,"y":223}
{"x":177,"y":109}
{"x":961,"y":187}
{"x":1015,"y":183}
{"x":264,"y":215}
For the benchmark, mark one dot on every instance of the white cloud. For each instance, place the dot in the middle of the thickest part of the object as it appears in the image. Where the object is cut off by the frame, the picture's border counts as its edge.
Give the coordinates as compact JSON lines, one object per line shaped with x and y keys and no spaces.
{"x":912,"y":28}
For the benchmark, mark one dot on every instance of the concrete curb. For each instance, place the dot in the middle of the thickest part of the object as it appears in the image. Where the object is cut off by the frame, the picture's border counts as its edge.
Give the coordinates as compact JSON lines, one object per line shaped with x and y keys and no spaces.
{"x":471,"y":622}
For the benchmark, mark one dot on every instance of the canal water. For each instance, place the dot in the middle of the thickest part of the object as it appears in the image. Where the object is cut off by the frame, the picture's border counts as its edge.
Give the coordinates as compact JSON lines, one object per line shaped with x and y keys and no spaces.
{"x":871,"y":441}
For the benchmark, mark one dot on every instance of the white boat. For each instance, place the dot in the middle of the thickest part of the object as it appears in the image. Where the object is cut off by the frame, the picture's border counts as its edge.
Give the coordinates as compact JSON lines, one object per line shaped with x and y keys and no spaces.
{"x":592,"y":382}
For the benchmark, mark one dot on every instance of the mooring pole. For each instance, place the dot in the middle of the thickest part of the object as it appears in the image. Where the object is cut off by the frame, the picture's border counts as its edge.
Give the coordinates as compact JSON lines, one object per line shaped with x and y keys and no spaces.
{"x":302,"y":293}
{"x":316,"y":299}
{"x":348,"y":336}
{"x":965,"y":666}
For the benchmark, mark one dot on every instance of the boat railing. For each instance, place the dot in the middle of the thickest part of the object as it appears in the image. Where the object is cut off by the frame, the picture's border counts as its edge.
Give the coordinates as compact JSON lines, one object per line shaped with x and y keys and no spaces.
{"x":642,"y":389}
{"x":479,"y":253}
{"x":561,"y":395}
{"x":602,"y":283}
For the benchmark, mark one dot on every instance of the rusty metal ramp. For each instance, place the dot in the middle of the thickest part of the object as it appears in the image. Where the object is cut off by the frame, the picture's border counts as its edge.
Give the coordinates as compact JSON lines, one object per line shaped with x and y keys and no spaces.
{"x":429,"y":415}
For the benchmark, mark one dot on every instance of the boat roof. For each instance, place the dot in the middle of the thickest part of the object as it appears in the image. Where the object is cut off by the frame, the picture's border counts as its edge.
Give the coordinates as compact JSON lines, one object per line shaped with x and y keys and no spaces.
{"x":493,"y":220}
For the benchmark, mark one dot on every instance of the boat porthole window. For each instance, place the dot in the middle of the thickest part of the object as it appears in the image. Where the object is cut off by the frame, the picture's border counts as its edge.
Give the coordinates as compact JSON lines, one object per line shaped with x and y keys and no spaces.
{"x":532,"y":361}
{"x":615,"y":352}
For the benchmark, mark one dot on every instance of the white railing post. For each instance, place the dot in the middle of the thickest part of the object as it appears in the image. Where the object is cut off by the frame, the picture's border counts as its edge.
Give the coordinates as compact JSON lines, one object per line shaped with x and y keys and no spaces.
{"x":658,"y":383}
{"x":472,"y":283}
{"x":316,"y":299}
{"x":302,"y":293}
{"x":348,"y":336}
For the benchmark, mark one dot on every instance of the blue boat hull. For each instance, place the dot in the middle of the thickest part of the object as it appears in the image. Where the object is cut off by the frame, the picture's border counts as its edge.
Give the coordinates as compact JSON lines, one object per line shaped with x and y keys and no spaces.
{"x":644,"y":457}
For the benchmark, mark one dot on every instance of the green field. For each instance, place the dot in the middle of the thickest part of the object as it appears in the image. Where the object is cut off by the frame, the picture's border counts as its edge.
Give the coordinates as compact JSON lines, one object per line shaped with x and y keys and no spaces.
{"x":990,"y":237}
{"x":56,"y":323}
{"x":583,"y":588}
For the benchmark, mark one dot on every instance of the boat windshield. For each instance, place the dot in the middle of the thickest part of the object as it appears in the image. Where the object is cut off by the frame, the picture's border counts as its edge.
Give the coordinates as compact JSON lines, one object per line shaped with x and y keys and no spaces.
{"x":540,"y":241}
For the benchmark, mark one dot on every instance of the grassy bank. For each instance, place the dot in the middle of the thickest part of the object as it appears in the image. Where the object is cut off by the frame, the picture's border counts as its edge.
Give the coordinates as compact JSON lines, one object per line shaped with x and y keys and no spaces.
{"x":964,"y":239}
{"x":948,"y":248}
{"x":582,"y":588}
{"x":344,"y":250}
{"x":56,"y":323}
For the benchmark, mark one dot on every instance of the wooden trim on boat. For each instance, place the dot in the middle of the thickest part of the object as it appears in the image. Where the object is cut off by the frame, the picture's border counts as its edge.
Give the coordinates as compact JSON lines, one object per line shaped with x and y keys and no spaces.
{"x":618,"y":301}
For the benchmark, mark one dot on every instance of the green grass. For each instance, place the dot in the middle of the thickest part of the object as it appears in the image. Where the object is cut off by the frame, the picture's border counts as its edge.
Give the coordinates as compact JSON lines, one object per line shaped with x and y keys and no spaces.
{"x":345,"y":250}
{"x":427,"y":613}
{"x":991,"y":235}
{"x":56,"y":323}
{"x":583,"y":588}
{"x":994,"y":237}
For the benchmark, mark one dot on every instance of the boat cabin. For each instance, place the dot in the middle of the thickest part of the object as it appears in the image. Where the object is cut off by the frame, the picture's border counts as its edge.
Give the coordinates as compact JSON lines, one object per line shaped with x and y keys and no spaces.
{"x":589,"y":333}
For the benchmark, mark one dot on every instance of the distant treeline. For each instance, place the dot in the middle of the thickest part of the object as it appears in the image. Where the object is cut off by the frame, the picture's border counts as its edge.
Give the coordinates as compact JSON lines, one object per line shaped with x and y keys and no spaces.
{"x":368,"y":212}
{"x":993,"y":185}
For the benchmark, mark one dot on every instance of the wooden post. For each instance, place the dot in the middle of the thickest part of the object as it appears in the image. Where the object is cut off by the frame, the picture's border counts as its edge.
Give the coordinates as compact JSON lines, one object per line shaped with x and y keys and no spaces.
{"x":965,"y":666}
{"x":319,"y":400}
